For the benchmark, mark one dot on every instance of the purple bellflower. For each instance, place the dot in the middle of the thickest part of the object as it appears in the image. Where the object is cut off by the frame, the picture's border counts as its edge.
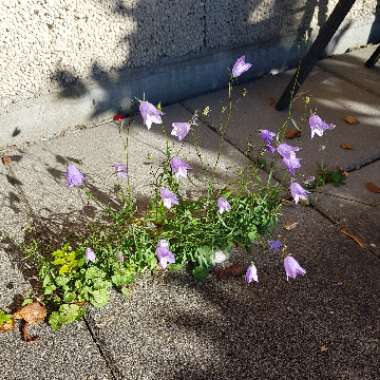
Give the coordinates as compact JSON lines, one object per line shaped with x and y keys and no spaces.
{"x":251,"y":274}
{"x":298,"y":192}
{"x":289,"y":158}
{"x":168,"y":197}
{"x":150,"y":114}
{"x":180,"y":130}
{"x":240,"y":67}
{"x":90,"y":255}
{"x":121,"y":170}
{"x":286,"y":150}
{"x":164,"y":256}
{"x":318,"y":126}
{"x":223,"y":205}
{"x":267,"y":137}
{"x":275,"y":245}
{"x":74,"y":178}
{"x":292,"y":268}
{"x":179,"y":167}
{"x":292,"y":163}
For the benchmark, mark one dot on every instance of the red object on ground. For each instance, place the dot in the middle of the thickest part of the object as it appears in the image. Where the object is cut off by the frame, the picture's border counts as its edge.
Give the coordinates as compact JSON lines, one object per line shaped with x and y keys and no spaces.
{"x":119,"y":117}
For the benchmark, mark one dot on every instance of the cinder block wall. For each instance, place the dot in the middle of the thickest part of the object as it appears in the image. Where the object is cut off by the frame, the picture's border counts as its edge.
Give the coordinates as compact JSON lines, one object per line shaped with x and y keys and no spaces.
{"x":49,"y":45}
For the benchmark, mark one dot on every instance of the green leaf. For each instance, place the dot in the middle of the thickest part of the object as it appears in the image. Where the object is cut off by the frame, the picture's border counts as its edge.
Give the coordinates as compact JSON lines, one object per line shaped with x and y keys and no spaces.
{"x":99,"y":297}
{"x":252,"y":235}
{"x":200,"y":273}
{"x":67,"y":313}
{"x":27,"y":301}
{"x":49,"y":289}
{"x":5,"y":317}
{"x":125,"y":291}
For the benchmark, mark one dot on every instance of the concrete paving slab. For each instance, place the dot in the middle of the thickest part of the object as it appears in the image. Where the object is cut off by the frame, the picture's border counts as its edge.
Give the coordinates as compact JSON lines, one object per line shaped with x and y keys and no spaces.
{"x":350,"y":66}
{"x":40,"y":172}
{"x":68,"y":354}
{"x":332,"y":98}
{"x":324,"y":325}
{"x":352,"y":205}
{"x":355,"y":188}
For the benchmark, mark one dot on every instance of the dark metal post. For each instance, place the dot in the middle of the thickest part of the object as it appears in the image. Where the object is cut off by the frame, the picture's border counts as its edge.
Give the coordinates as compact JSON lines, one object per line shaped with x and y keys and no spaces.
{"x":316,"y":51}
{"x":373,"y":58}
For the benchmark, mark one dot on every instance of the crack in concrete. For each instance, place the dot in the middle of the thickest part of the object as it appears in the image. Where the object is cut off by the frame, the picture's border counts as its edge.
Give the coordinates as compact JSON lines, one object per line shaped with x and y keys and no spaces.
{"x":111,"y":364}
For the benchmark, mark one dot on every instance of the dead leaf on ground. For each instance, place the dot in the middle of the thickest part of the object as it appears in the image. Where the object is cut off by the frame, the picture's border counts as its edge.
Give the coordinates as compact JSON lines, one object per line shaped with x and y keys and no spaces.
{"x":351,"y":120}
{"x":324,"y":348}
{"x":372,"y":187}
{"x":234,"y":270}
{"x":346,"y":146}
{"x":290,"y":225}
{"x":7,"y":160}
{"x":33,"y":313}
{"x":292,"y":133}
{"x":271,"y":101}
{"x":357,"y":239}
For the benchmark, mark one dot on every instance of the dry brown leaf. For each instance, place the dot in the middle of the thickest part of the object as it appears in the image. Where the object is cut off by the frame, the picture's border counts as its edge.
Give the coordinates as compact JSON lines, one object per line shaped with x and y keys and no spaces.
{"x":324,"y":348}
{"x":372,"y":187}
{"x":271,"y":101}
{"x":346,"y":146}
{"x":33,"y":313}
{"x":290,"y":225}
{"x":234,"y":270}
{"x":7,"y":160}
{"x":351,"y":120}
{"x":292,"y":133}
{"x":8,"y":326}
{"x":357,"y":239}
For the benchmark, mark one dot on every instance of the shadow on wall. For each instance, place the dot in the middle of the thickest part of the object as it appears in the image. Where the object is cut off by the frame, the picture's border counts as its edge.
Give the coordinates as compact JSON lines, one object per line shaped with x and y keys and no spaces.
{"x":219,"y":20}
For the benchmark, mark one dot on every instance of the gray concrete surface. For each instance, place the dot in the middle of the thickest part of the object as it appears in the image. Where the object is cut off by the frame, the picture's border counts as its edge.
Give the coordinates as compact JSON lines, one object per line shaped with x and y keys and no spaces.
{"x":345,"y":66}
{"x":332,"y":98}
{"x":353,"y":206}
{"x":173,"y":328}
{"x":68,"y":354}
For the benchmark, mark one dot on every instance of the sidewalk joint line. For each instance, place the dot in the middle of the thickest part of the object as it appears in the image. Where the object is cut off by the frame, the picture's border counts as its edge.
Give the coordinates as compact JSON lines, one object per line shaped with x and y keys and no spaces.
{"x":115,"y":372}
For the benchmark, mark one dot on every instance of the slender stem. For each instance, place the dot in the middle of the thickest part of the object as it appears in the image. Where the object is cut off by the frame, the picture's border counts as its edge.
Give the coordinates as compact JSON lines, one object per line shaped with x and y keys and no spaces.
{"x":225,"y":124}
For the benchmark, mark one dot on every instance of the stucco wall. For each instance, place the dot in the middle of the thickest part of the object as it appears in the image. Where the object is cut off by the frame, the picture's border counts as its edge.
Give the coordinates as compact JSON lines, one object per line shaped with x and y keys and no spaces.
{"x":48,"y":45}
{"x":42,"y":37}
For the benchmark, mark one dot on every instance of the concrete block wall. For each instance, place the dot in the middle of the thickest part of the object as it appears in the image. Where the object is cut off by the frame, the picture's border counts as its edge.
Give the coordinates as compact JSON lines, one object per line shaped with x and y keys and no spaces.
{"x":94,"y":56}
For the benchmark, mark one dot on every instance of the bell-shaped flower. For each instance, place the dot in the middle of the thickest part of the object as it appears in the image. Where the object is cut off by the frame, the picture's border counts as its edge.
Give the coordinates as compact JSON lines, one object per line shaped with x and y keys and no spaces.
{"x":121,"y":170}
{"x":268,"y":136}
{"x":223,"y":205}
{"x":292,"y":163}
{"x":286,"y":150}
{"x":289,"y":158}
{"x":168,"y":197}
{"x":74,"y":178}
{"x":298,"y":192}
{"x":318,"y":126}
{"x":164,"y":255}
{"x":292,"y":268}
{"x":180,"y":130}
{"x":89,"y":255}
{"x":179,"y":167}
{"x":251,"y":274}
{"x":150,"y":114}
{"x":240,"y":67}
{"x":275,"y":245}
